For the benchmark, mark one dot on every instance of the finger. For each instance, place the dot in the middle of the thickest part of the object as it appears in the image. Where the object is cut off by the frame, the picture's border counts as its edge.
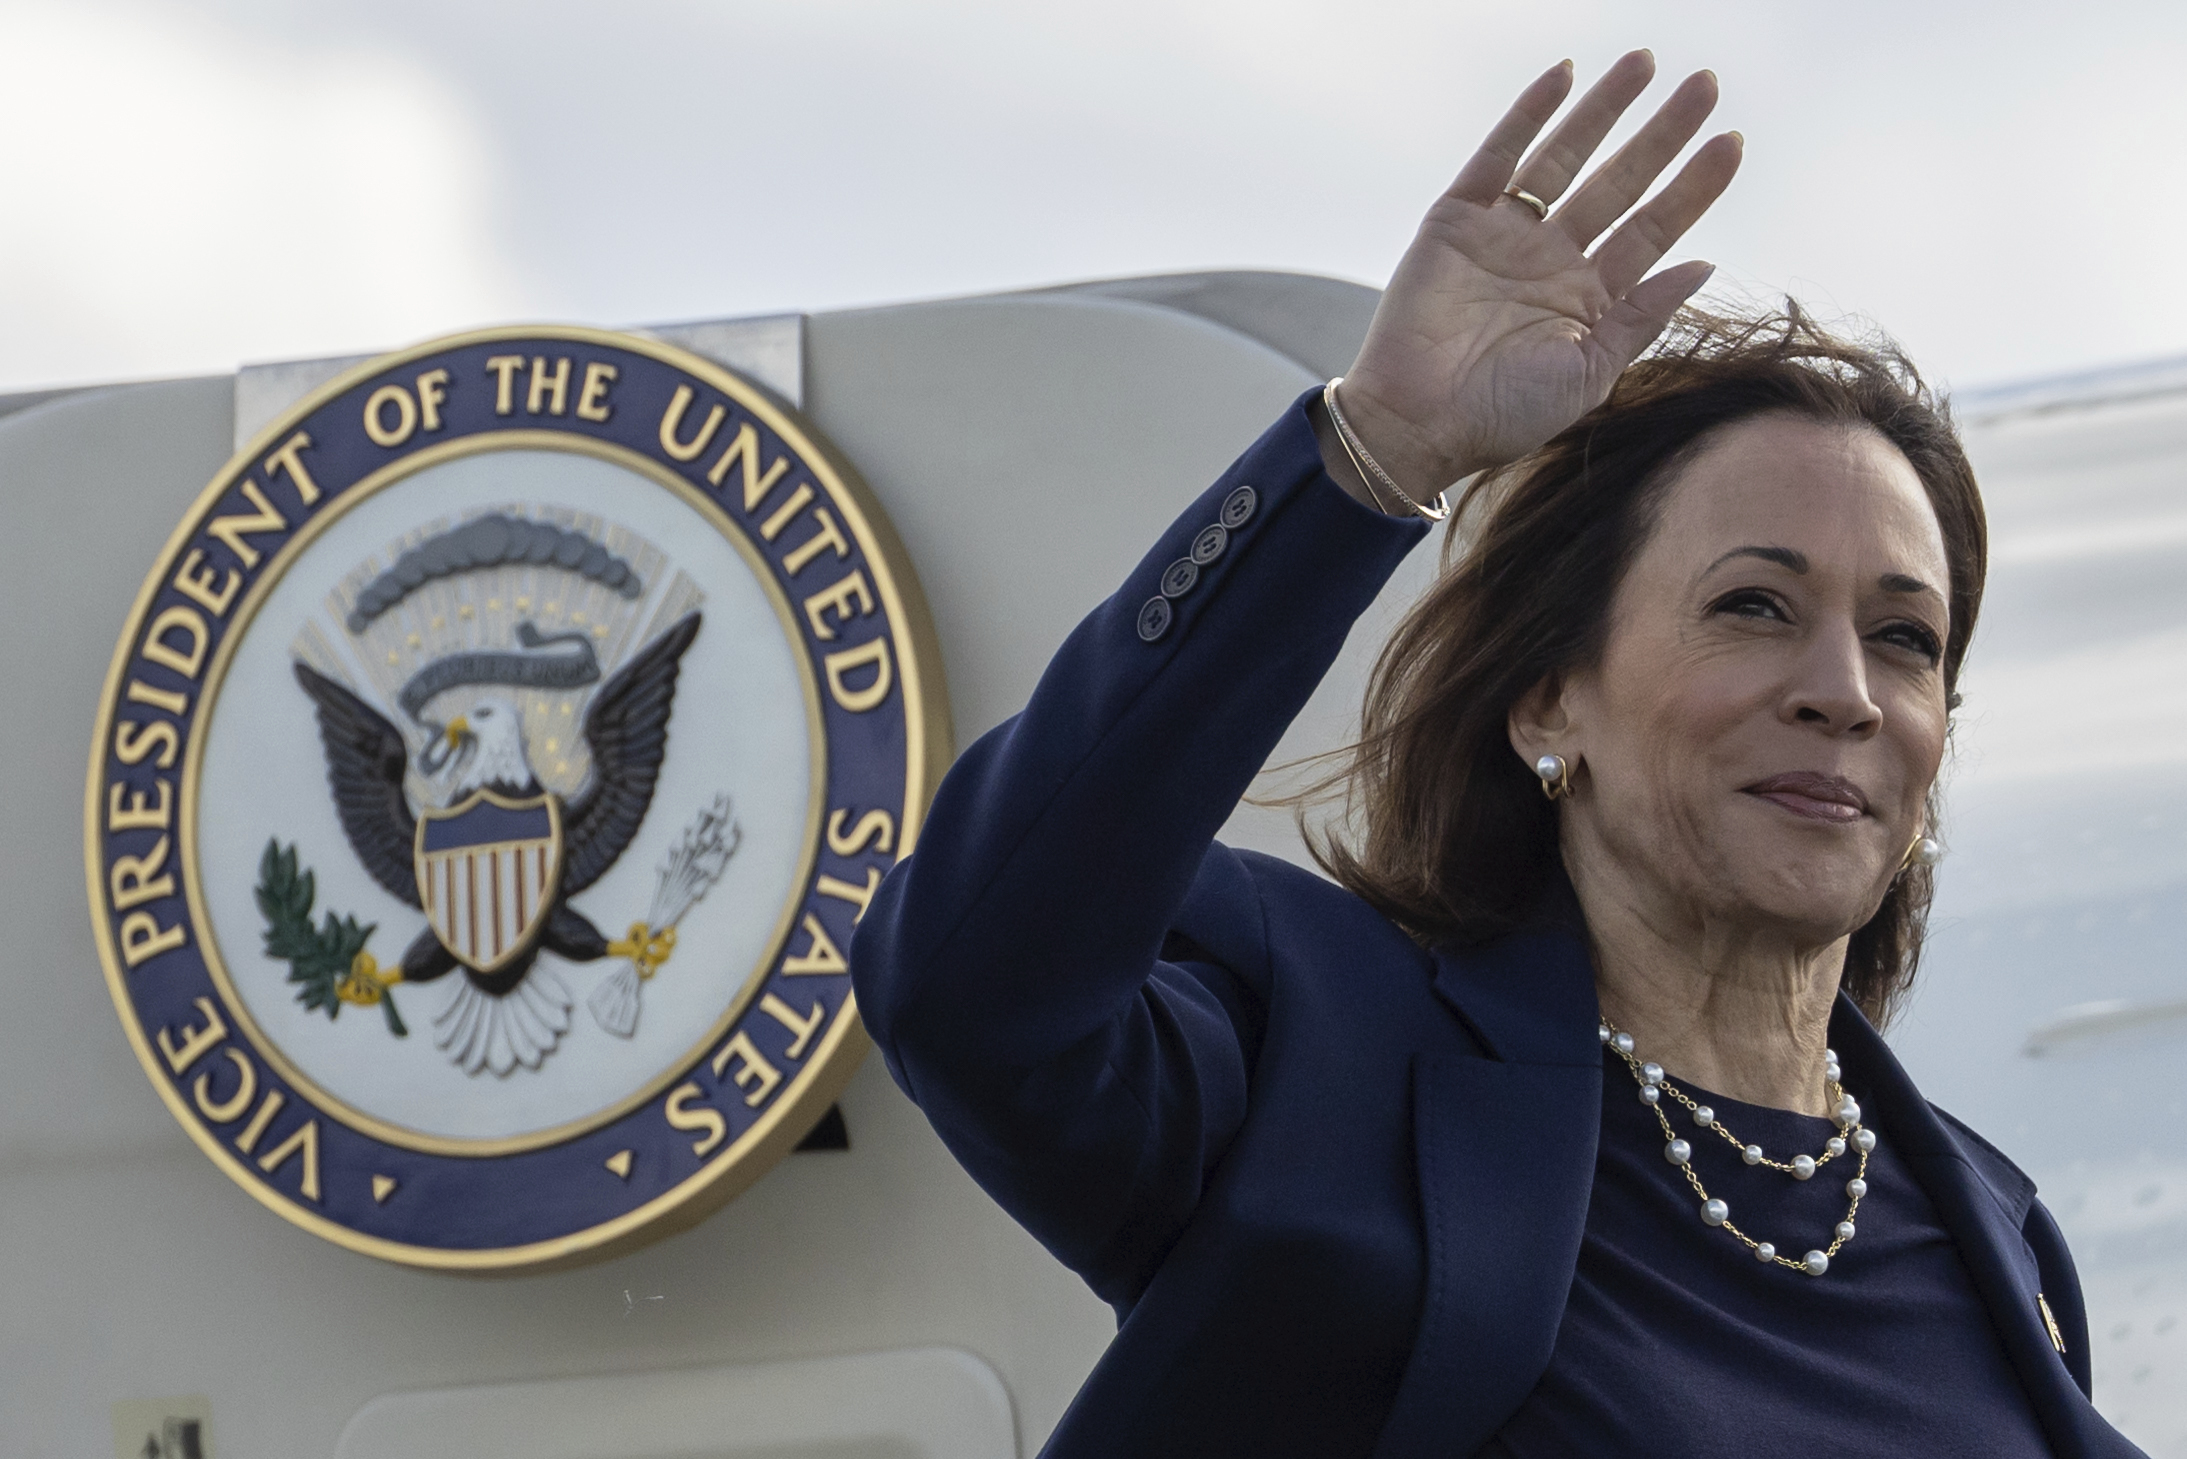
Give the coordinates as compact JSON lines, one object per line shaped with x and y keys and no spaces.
{"x":1488,"y":171}
{"x":1648,"y":234}
{"x":1618,"y":183}
{"x":1643,"y":314}
{"x":1550,"y":168}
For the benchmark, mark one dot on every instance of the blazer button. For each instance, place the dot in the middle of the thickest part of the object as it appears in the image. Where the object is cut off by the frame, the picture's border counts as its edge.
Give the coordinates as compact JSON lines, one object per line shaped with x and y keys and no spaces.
{"x":1213,"y":541}
{"x":1178,"y":577}
{"x":1154,"y":619}
{"x":1239,"y":506}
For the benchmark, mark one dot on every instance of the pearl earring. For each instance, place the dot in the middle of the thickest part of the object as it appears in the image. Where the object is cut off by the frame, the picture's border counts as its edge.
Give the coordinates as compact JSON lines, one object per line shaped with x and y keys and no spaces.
{"x":1925,"y":851}
{"x":1556,"y":776}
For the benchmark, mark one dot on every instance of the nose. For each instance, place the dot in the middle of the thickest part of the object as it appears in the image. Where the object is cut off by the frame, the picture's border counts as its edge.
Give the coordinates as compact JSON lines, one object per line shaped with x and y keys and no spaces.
{"x":1829,"y":688}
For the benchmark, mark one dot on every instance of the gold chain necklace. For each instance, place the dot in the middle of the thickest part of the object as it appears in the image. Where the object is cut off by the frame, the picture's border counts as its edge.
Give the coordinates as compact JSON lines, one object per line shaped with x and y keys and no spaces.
{"x":1845,"y":1110}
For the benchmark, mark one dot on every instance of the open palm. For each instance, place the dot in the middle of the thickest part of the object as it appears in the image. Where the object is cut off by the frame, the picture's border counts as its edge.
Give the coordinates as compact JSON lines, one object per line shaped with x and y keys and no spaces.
{"x":1500,"y":328}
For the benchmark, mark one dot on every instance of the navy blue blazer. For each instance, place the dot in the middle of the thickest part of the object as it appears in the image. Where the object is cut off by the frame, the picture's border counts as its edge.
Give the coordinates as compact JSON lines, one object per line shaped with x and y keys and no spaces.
{"x":1333,"y":1184}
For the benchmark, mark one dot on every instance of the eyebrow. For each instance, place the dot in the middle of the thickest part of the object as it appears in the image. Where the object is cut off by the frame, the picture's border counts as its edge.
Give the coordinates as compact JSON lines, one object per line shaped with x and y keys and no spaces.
{"x":1784,"y":557}
{"x":1792,"y":561}
{"x":1898,"y":582}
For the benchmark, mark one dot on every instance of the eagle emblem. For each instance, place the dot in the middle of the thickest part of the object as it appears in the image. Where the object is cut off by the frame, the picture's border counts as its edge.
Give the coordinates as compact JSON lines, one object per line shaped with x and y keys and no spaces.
{"x":453,"y":818}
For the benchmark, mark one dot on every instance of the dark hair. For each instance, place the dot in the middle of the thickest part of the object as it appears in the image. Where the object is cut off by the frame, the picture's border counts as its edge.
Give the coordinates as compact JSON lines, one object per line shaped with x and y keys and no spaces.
{"x":1445,"y":831}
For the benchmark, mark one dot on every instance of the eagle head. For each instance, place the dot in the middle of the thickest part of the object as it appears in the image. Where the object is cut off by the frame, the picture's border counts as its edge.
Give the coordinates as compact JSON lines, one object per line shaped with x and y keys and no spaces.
{"x":483,"y":746}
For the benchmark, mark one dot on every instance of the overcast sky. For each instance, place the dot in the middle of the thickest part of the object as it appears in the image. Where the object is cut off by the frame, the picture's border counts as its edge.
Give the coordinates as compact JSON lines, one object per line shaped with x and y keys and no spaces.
{"x":194,"y":185}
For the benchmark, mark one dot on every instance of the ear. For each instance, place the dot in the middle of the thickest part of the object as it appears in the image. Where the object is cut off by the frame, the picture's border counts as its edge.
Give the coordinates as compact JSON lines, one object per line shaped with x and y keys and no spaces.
{"x":1540,"y":722}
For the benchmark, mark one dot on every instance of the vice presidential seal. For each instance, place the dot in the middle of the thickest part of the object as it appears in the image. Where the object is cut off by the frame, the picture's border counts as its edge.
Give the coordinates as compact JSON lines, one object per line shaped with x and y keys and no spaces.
{"x":487,"y":784}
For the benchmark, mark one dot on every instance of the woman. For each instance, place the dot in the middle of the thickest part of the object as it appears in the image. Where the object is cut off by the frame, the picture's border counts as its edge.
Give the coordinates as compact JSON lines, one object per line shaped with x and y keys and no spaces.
{"x":1561,"y":1126}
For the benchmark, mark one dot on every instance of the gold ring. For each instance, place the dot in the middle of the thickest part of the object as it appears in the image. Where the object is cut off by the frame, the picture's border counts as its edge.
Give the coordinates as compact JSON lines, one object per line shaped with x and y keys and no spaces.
{"x":1541,"y":209}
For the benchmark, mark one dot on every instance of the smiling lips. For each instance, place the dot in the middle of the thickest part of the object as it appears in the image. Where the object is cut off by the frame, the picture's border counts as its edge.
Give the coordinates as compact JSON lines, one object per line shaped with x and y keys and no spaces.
{"x":1818,"y":797}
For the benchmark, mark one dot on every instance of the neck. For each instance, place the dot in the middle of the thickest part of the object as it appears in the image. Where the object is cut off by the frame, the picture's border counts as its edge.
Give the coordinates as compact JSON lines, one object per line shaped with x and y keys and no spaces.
{"x":1739,"y":1009}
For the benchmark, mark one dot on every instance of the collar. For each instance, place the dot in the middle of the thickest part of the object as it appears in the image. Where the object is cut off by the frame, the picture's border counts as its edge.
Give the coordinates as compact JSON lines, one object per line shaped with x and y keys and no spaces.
{"x":1916,"y":1126}
{"x":1529,"y":999}
{"x":1529,"y":996}
{"x":1983,"y":1200}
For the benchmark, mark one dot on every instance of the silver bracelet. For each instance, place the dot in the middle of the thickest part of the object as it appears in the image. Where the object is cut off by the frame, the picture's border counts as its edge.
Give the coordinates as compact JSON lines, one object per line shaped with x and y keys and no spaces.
{"x":1353,"y":457}
{"x":1370,"y":470}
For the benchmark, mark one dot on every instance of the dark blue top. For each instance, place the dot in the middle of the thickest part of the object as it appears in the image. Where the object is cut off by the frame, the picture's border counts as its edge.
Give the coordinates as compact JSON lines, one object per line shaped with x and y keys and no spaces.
{"x":1335,"y":1184}
{"x":1889,"y":1352}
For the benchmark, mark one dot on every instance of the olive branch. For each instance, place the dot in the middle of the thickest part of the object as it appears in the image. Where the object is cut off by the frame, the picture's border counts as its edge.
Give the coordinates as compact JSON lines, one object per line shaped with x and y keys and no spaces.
{"x":328,"y":962}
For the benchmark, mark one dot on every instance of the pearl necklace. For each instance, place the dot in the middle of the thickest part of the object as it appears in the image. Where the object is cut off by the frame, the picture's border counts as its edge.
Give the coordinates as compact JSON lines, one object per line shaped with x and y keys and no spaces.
{"x":1846,"y":1111}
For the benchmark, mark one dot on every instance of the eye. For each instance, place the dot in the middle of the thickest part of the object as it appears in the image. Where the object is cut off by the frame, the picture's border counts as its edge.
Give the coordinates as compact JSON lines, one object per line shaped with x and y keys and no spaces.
{"x":1751,"y":603}
{"x":1916,"y":639}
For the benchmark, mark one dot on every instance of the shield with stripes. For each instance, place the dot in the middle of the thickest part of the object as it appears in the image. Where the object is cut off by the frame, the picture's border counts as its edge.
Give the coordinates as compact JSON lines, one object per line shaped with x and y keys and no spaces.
{"x":487,"y":873}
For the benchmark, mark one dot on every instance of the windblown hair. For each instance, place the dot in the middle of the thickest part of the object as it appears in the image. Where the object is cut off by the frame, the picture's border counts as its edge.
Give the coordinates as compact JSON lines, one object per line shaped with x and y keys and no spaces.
{"x":1444,"y":830}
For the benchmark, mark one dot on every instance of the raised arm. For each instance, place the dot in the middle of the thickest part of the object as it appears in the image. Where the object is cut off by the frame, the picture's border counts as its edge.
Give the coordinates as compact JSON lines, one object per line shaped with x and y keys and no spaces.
{"x":1068,"y":975}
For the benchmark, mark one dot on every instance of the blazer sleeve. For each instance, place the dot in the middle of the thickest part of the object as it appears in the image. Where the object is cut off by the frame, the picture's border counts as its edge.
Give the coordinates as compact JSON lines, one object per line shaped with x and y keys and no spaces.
{"x":1067,"y":975}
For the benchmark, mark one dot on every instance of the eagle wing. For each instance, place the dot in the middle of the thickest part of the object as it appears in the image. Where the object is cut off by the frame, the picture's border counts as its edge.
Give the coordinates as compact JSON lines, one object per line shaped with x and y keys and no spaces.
{"x":627,"y":731}
{"x":366,"y":759}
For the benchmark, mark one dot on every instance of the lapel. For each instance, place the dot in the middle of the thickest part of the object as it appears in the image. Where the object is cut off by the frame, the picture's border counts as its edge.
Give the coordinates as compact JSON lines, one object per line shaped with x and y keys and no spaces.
{"x":1504,"y":1150}
{"x":1983,"y":1201}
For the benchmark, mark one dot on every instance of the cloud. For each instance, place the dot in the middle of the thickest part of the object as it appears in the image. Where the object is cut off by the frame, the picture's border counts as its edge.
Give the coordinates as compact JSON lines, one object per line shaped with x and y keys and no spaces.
{"x":225,"y":179}
{"x":183,"y":197}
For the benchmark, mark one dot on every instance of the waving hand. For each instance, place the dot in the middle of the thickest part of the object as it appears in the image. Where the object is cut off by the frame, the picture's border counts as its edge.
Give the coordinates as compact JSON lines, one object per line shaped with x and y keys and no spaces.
{"x":1500,"y":327}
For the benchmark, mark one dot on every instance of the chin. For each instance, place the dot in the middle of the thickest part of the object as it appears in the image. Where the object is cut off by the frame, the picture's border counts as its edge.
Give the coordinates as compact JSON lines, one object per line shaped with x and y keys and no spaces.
{"x":1817,"y":899}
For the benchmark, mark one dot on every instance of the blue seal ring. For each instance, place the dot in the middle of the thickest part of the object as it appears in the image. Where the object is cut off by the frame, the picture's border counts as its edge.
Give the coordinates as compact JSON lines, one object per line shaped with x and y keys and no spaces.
{"x":696,"y":1133}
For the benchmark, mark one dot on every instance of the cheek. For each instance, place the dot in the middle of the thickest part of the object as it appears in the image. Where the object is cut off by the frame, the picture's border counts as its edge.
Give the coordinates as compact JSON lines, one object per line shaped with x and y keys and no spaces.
{"x":1919,"y":741}
{"x":1668,"y":720}
{"x":1665,"y":747}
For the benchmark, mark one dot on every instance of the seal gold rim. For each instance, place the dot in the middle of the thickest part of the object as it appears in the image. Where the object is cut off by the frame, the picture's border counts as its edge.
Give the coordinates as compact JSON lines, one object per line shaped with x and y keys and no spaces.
{"x":927,"y":751}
